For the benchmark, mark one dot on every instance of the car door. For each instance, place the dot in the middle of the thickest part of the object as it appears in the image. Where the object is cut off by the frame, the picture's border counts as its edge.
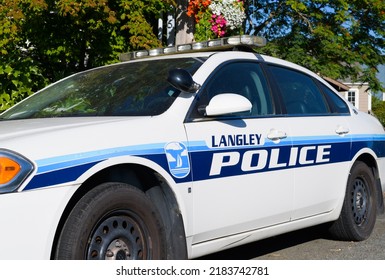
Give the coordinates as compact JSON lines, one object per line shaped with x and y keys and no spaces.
{"x":240,"y":179}
{"x":318,"y":121}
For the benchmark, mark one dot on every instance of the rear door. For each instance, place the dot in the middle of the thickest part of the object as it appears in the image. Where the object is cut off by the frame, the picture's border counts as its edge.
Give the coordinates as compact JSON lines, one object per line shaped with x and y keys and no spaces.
{"x":318,"y":121}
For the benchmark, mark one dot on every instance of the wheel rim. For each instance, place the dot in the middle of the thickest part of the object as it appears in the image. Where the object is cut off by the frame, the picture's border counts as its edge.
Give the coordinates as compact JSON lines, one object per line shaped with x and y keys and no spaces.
{"x":360,"y":201}
{"x":119,"y":236}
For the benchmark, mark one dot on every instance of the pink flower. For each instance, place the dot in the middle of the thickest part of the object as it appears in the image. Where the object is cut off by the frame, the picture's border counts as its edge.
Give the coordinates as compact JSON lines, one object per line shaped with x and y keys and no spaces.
{"x":218,"y":23}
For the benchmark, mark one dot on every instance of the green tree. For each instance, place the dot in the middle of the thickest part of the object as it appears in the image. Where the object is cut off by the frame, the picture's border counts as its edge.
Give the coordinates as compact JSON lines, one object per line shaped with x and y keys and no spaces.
{"x":378,"y":107}
{"x":19,"y":72}
{"x":42,"y":41}
{"x":335,"y":38}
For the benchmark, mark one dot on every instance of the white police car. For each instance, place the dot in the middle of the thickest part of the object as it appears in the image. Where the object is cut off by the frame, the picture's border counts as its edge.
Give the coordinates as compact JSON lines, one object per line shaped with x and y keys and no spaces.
{"x":178,"y":156}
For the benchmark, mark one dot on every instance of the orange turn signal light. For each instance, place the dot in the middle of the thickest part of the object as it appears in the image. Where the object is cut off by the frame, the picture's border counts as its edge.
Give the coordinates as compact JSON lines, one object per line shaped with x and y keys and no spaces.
{"x":8,"y":170}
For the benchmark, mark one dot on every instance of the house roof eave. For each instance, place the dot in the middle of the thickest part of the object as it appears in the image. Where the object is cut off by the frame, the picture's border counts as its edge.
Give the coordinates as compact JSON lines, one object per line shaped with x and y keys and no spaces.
{"x":336,"y":84}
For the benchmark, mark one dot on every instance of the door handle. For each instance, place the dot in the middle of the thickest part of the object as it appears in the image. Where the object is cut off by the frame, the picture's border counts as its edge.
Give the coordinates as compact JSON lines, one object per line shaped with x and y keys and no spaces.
{"x":340,"y":130}
{"x":276,"y":135}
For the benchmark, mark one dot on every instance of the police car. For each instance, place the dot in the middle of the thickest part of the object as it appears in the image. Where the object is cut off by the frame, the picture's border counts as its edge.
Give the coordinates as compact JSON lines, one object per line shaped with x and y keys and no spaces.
{"x":184,"y":151}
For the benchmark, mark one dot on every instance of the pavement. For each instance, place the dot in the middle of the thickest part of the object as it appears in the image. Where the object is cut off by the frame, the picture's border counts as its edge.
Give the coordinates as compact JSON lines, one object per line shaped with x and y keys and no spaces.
{"x":310,"y":244}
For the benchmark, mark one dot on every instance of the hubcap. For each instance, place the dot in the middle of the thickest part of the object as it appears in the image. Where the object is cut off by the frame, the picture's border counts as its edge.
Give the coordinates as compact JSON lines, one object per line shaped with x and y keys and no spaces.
{"x":118,"y":237}
{"x":359,"y":201}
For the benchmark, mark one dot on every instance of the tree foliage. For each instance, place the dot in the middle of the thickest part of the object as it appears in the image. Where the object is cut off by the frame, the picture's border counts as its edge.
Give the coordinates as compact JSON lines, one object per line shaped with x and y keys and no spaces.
{"x":341,"y":39}
{"x":42,"y":41}
{"x":378,"y":107}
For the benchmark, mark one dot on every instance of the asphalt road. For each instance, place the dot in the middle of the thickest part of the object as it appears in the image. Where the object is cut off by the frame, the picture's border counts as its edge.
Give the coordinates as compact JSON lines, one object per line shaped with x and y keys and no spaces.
{"x":310,"y":244}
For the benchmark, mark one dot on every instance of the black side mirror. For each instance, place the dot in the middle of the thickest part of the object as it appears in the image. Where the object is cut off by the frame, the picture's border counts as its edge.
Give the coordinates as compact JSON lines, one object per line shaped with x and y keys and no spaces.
{"x":182,"y":80}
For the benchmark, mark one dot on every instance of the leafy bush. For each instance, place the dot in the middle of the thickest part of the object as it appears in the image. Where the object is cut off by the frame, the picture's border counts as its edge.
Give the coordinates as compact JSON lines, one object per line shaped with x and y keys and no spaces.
{"x":42,"y":41}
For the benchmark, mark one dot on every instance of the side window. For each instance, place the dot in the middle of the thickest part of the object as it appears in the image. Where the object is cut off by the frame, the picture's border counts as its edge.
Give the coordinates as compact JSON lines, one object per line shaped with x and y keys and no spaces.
{"x":244,"y":78}
{"x":338,"y":106}
{"x":300,"y":94}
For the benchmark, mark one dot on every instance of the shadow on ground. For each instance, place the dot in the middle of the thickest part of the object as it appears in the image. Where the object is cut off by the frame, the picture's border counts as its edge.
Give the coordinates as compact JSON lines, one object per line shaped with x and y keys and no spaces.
{"x":271,"y":245}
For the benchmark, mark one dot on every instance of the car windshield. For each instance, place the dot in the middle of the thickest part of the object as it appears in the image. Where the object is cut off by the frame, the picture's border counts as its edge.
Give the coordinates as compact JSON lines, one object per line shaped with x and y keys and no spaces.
{"x":137,"y":88}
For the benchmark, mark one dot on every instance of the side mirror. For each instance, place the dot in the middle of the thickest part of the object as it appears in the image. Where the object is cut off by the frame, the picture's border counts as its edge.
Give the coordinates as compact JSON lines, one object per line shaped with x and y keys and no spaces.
{"x":182,"y":80}
{"x":228,"y":103}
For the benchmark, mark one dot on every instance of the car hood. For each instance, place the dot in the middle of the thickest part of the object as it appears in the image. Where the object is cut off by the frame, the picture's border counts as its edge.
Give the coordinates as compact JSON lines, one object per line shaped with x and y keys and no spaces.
{"x":38,"y":138}
{"x":24,"y":128}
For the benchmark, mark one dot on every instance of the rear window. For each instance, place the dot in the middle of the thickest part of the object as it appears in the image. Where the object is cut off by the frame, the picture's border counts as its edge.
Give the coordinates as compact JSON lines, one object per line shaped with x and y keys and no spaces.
{"x":299,"y":92}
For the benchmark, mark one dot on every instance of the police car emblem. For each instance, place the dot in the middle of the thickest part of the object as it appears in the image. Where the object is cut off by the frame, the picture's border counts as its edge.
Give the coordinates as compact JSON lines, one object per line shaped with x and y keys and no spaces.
{"x":177,"y":158}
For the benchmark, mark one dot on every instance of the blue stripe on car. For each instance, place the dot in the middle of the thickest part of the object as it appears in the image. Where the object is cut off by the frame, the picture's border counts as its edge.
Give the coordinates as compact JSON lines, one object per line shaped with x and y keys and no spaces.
{"x":68,"y":168}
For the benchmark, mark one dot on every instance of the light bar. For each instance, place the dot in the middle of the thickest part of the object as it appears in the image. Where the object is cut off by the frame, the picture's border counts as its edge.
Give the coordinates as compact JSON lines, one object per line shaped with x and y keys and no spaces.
{"x":215,"y":43}
{"x":199,"y":46}
{"x":155,"y":52}
{"x":185,"y":47}
{"x":211,"y":45}
{"x":169,"y":50}
{"x":140,"y":54}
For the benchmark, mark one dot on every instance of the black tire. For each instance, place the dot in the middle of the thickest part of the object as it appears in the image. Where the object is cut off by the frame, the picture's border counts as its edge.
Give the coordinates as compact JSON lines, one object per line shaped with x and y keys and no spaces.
{"x":358,"y":214}
{"x":113,"y":221}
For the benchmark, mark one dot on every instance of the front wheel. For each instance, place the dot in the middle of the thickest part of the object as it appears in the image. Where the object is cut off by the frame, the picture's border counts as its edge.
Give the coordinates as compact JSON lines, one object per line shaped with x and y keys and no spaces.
{"x":358,"y":214}
{"x":113,"y":221}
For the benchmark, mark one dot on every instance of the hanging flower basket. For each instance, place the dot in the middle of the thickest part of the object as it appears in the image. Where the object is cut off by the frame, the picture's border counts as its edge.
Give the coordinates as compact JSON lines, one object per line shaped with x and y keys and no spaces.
{"x":216,"y":18}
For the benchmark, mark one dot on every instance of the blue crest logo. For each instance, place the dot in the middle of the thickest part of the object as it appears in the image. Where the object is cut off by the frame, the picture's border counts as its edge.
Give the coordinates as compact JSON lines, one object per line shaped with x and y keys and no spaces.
{"x":178,"y":160}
